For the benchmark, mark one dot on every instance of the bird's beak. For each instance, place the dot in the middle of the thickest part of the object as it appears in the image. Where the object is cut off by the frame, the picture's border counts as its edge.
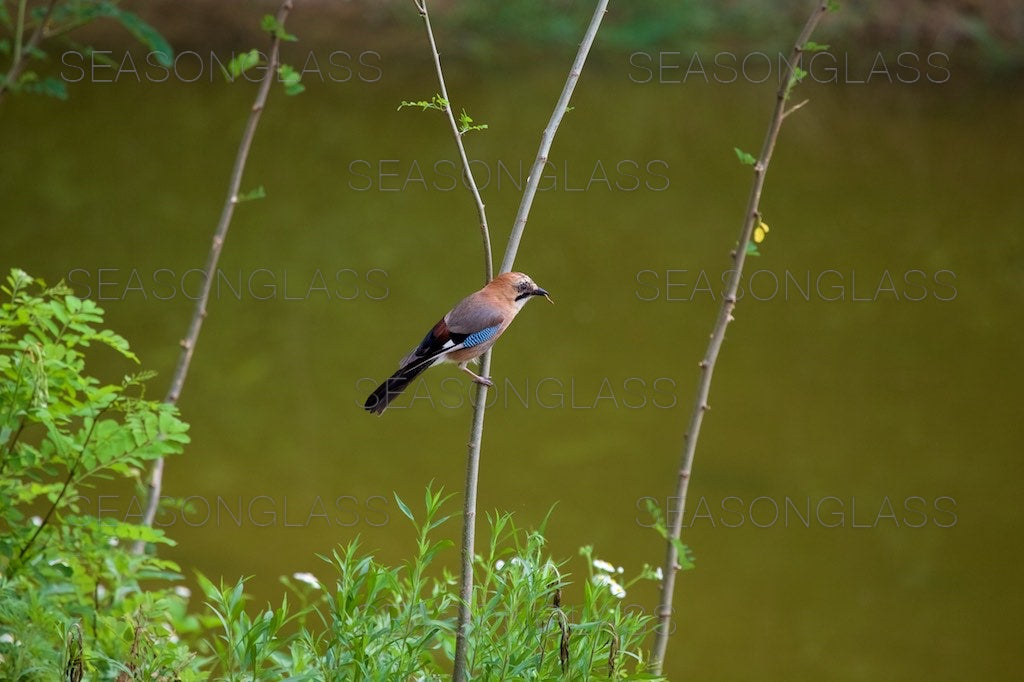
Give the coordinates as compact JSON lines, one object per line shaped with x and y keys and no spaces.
{"x":540,"y":292}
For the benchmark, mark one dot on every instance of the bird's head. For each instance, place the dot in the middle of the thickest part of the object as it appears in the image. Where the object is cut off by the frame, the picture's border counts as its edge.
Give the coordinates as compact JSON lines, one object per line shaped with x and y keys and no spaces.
{"x":517,"y":288}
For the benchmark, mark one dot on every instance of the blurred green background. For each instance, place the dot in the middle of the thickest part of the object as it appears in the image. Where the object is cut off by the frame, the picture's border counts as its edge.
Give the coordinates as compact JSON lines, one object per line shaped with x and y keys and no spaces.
{"x":854,"y":499}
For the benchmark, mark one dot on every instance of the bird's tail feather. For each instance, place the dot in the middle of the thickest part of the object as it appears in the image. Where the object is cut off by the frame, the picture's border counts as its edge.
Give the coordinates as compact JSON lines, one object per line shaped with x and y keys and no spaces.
{"x":393,"y":387}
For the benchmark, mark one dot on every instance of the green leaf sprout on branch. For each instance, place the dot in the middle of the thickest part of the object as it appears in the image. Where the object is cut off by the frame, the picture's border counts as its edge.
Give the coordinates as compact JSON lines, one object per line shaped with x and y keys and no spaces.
{"x":291,"y":80}
{"x":797,"y":76}
{"x":276,"y":29}
{"x":241,"y":63}
{"x":257,"y":193}
{"x":745,"y":158}
{"x":466,"y":123}
{"x":437,"y":102}
{"x":684,"y":555}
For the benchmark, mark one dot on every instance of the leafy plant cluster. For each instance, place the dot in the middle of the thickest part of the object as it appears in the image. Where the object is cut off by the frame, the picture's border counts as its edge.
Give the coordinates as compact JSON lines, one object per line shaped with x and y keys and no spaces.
{"x":24,"y":28}
{"x":375,"y":622}
{"x":64,"y":574}
{"x":76,"y":603}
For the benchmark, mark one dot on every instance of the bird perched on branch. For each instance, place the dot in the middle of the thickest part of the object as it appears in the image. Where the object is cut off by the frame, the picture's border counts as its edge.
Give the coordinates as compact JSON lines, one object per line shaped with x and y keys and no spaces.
{"x":463,"y":335}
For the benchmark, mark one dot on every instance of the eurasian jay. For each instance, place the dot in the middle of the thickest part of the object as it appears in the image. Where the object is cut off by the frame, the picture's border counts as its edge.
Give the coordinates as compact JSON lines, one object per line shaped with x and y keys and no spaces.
{"x":464,"y":334}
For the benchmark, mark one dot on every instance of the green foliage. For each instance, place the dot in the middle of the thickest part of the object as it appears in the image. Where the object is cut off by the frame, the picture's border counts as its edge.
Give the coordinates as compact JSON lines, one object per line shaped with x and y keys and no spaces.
{"x":48,"y":86}
{"x":139,"y":29}
{"x":61,"y":430}
{"x":241,"y":63}
{"x":745,"y":157}
{"x":257,"y":193}
{"x":66,"y":16}
{"x":291,"y":80}
{"x":286,"y":74}
{"x":795,"y":77}
{"x":684,"y":556}
{"x":436,"y":102}
{"x":248,"y":648}
{"x":679,"y":23}
{"x":377,"y":622}
{"x":466,"y":123}
{"x":276,"y":28}
{"x":69,"y":15}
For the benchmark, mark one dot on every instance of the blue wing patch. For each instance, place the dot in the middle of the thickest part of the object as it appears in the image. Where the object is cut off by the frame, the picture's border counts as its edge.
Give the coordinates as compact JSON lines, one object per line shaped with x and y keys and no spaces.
{"x":479,"y":337}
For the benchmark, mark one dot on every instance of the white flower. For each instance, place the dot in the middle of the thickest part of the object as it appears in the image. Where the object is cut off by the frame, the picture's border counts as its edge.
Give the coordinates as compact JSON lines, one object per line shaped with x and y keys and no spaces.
{"x":113,"y":542}
{"x":172,"y":636}
{"x":499,"y":564}
{"x":7,"y":638}
{"x":182,"y":591}
{"x":37,"y":520}
{"x":603,"y":566}
{"x":616,"y":589}
{"x":658,"y":574}
{"x":307,"y":578}
{"x":620,"y":570}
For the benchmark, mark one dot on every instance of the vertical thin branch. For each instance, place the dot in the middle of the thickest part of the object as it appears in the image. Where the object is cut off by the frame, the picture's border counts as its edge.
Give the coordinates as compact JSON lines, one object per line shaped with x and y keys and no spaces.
{"x":20,"y":56}
{"x":188,"y":344}
{"x":707,"y":365}
{"x":476,"y":434}
{"x":548,"y":136}
{"x":460,"y":673}
{"x":485,"y":234}
{"x":477,"y":428}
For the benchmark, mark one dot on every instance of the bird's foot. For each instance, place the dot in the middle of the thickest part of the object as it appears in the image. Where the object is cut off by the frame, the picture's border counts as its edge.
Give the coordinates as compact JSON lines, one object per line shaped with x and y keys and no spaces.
{"x":477,"y":379}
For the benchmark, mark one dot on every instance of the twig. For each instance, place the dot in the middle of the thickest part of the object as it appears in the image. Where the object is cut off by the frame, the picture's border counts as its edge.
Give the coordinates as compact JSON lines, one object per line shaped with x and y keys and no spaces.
{"x":533,"y":181}
{"x":485,"y":234}
{"x":707,"y":365}
{"x":477,"y":428}
{"x":188,"y":344}
{"x":793,"y":108}
{"x":20,"y":53}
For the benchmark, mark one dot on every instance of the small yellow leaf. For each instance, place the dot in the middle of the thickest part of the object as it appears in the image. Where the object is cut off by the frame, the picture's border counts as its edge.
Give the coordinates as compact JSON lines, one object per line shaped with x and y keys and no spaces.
{"x":760,"y":232}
